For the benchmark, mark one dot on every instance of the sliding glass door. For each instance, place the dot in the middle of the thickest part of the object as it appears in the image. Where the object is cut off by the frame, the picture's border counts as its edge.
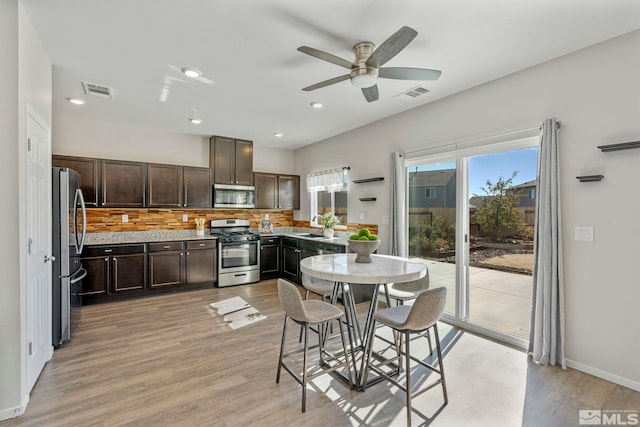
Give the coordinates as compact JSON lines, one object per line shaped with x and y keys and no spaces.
{"x":471,"y":215}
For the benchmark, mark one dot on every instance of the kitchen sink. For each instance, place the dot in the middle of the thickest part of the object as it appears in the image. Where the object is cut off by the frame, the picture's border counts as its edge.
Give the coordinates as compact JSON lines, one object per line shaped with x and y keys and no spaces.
{"x":311,"y":235}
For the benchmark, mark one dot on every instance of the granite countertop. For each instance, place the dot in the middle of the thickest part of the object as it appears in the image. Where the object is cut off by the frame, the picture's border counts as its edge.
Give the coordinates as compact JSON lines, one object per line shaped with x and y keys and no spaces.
{"x":114,"y":238}
{"x":341,"y":238}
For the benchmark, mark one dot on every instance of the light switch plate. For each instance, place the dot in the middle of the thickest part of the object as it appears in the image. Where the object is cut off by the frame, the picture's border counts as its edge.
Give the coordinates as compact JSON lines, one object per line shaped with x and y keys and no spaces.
{"x":185,"y":217}
{"x":125,"y":218}
{"x":583,"y":234}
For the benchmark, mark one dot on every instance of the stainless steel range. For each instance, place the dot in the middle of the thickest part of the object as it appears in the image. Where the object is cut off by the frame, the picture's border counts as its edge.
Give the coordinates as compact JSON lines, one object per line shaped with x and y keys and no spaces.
{"x":238,"y":252}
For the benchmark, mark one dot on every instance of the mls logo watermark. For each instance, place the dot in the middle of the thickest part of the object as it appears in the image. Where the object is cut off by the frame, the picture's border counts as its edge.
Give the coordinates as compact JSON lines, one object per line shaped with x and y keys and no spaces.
{"x":597,"y":417}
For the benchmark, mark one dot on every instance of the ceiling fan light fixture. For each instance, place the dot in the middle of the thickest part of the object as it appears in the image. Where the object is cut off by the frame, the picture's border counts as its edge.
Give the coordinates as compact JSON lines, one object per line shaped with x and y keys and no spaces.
{"x":363,"y":81}
{"x":278,"y":134}
{"x":316,"y":105}
{"x":191,"y":72}
{"x":195,"y":121}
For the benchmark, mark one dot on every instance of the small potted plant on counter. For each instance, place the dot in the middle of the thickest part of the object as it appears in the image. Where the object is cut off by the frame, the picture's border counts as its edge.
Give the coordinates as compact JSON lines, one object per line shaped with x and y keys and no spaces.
{"x":328,"y":221}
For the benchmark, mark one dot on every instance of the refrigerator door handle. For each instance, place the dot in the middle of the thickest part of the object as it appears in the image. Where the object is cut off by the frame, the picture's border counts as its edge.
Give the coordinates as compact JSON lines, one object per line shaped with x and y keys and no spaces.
{"x":79,"y":242}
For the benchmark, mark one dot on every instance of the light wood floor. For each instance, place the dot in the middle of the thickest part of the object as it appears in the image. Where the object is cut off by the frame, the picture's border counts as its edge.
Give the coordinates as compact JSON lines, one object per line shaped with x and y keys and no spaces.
{"x":168,"y":360}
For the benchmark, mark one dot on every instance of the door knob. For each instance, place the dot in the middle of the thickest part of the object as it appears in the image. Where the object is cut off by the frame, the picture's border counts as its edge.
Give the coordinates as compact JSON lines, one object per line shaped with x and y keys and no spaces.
{"x":49,"y":258}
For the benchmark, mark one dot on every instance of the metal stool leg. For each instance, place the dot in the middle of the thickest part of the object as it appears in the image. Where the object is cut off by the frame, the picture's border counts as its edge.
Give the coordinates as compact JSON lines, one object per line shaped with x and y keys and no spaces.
{"x":408,"y":377}
{"x":284,"y":334}
{"x":304,"y":367}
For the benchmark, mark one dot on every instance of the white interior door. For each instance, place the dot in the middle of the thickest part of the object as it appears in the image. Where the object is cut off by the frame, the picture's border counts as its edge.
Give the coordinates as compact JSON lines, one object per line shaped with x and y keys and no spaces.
{"x":38,"y":227}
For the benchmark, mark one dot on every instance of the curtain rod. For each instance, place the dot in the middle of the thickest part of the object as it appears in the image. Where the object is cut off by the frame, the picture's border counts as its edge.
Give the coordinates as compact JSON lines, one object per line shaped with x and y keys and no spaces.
{"x":468,"y":141}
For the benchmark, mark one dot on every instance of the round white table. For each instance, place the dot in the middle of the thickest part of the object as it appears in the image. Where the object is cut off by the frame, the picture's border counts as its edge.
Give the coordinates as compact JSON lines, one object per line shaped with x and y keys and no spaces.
{"x":342,"y":269}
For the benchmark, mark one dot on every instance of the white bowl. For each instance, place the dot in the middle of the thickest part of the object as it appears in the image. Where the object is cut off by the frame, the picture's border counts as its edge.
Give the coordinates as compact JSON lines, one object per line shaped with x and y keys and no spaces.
{"x":363,"y":249}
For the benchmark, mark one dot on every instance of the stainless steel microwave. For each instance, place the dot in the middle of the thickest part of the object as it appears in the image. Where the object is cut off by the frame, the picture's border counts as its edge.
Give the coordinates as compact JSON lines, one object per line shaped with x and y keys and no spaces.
{"x":233,"y":196}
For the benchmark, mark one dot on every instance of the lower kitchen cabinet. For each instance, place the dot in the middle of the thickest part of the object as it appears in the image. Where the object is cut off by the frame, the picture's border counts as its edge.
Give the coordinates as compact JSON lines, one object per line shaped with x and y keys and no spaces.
{"x":270,"y":254}
{"x":166,"y":261}
{"x":294,"y":250}
{"x":114,"y":269}
{"x":201,"y":261}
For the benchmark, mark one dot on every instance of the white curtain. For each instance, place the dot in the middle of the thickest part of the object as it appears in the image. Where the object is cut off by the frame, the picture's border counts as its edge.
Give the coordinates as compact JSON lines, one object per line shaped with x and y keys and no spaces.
{"x":546,"y":335}
{"x":398,"y":214}
{"x":328,"y":180}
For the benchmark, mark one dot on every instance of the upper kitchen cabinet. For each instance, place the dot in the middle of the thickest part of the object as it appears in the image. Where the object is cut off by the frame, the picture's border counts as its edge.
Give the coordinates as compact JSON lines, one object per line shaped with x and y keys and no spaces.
{"x":88,"y":170}
{"x":123,"y":184}
{"x":172,"y":186}
{"x":231,"y":160}
{"x":288,"y":192}
{"x":197,"y":187}
{"x":164,"y":186}
{"x":274,"y":191}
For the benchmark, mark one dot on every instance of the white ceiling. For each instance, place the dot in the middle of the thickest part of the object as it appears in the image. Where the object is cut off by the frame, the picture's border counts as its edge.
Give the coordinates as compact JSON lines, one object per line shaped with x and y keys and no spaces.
{"x":253,"y":75}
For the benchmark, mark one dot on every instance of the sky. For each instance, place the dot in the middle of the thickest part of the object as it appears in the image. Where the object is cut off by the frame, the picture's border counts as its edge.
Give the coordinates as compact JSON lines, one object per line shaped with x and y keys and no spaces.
{"x":492,"y":166}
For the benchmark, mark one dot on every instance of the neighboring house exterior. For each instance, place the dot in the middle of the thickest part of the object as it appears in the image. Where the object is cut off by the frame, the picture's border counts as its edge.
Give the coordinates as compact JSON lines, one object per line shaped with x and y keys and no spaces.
{"x":431,"y":193}
{"x":432,"y":189}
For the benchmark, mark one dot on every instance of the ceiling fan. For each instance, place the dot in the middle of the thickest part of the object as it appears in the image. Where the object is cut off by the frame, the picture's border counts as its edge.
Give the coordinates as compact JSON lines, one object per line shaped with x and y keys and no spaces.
{"x":367,"y":67}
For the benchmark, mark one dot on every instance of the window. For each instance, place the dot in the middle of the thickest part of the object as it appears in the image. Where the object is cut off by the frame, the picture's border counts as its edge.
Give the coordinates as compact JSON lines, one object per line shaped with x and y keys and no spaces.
{"x":430,"y":193}
{"x":328,"y":193}
{"x":531,"y":193}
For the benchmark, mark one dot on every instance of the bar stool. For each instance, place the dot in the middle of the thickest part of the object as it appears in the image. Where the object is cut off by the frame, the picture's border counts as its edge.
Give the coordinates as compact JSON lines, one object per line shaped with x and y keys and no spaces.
{"x":307,"y":313}
{"x":424,"y":314}
{"x":321,"y":287}
{"x":408,"y":291}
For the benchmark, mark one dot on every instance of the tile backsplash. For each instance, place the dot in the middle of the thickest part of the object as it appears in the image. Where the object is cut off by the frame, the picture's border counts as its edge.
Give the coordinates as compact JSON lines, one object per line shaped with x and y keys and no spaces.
{"x":100,"y":220}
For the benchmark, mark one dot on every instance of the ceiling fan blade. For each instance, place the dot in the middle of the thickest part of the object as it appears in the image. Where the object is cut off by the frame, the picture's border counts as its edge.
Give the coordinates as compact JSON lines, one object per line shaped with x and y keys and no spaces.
{"x":404,"y":73}
{"x":391,"y":46}
{"x":325,"y":56}
{"x":370,"y":93}
{"x":327,"y":82}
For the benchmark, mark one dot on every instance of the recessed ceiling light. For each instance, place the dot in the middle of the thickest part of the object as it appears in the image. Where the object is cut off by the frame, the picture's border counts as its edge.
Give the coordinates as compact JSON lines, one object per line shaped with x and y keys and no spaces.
{"x":77,"y":101}
{"x":278,"y":134}
{"x":316,"y":105}
{"x":195,"y":121}
{"x":191,"y":72}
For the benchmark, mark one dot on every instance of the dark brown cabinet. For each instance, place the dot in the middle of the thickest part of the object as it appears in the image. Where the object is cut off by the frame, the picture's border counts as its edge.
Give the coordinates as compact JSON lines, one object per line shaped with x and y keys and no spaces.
{"x":201,"y":261}
{"x":172,"y":186}
{"x":88,"y":170}
{"x":270,"y":254}
{"x":197,"y":187}
{"x":232,"y":161}
{"x":114,"y":269}
{"x":275,"y":191}
{"x":164,"y":186}
{"x":123,"y":184}
{"x":166,"y":261}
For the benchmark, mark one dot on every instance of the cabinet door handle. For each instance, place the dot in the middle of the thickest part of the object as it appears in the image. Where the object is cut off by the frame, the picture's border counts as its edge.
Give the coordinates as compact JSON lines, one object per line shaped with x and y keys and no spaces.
{"x":186,"y":195}
{"x":106,"y":251}
{"x":166,"y":247}
{"x":181,"y":254}
{"x":106,"y":259}
{"x":201,"y":244}
{"x":188,"y":253}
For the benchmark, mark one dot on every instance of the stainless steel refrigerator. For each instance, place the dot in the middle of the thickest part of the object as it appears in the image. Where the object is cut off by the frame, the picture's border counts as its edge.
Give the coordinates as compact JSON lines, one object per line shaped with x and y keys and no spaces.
{"x":69,"y":229}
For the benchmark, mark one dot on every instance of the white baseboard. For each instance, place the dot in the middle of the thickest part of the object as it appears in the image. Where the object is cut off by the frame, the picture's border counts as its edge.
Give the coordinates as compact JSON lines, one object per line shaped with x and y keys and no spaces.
{"x":634,"y":385}
{"x":9,"y":413}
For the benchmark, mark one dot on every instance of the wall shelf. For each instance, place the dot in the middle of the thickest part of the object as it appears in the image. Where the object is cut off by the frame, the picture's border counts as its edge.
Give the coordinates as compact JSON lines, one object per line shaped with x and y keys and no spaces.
{"x":361,"y":181}
{"x":368,"y":199}
{"x":621,"y":146}
{"x":590,"y":178}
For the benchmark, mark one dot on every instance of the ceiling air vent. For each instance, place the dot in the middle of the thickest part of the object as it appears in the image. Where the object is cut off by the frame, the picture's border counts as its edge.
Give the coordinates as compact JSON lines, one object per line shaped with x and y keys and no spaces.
{"x":97,"y":90}
{"x":413,"y":93}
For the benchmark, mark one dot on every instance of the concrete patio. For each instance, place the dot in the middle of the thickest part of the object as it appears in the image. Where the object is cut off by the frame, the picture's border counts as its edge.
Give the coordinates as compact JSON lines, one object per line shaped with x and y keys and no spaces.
{"x":499,"y":300}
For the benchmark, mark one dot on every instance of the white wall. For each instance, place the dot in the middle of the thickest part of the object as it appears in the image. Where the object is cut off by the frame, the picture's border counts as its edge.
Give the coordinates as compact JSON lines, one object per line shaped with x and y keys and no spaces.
{"x":9,"y":256}
{"x":76,"y":137}
{"x":596,"y":95}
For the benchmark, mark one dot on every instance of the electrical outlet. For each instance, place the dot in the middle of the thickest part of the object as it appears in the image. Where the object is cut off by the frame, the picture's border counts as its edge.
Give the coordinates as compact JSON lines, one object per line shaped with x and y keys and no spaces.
{"x":185,"y":217}
{"x":583,"y":234}
{"x":125,"y":218}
